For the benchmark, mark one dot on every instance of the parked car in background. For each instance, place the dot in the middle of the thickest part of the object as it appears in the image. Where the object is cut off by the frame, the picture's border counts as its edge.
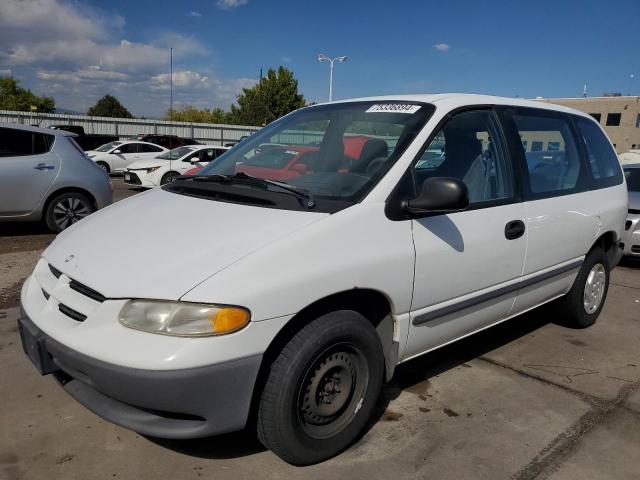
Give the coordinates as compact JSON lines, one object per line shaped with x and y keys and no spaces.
{"x":45,"y":176}
{"x":167,"y":141}
{"x":116,"y":156}
{"x":294,"y":300}
{"x":631,"y":237}
{"x":85,"y":140}
{"x":165,"y":168}
{"x":630,"y":157}
{"x":285,"y":162}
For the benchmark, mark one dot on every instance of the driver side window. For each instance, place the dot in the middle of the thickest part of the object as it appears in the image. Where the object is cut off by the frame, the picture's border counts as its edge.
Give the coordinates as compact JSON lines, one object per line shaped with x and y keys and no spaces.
{"x":470,"y":149}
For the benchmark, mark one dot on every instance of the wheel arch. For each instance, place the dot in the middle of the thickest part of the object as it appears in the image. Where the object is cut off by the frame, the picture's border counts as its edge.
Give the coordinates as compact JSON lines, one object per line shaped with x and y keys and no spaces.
{"x":607,"y":241}
{"x":61,"y":190}
{"x":372,"y":304}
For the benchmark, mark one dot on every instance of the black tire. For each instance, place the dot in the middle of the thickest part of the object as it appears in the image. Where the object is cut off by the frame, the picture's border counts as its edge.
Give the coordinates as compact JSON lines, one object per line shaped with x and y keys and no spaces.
{"x":104,"y":166}
{"x":573,"y":306}
{"x":66,"y":209}
{"x":304,"y":416}
{"x":169,"y":177}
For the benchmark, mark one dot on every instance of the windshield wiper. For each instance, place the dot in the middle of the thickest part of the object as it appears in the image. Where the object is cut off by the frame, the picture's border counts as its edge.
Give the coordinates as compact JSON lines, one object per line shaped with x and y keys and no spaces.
{"x":246,"y":179}
{"x":298,"y":192}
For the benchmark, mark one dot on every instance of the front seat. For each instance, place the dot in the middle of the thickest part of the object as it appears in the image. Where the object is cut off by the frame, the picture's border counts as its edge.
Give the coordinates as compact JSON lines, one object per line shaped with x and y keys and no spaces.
{"x":372,"y":149}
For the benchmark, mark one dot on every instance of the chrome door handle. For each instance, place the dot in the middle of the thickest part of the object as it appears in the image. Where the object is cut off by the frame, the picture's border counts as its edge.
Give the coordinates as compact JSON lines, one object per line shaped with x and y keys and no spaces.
{"x":44,"y":166}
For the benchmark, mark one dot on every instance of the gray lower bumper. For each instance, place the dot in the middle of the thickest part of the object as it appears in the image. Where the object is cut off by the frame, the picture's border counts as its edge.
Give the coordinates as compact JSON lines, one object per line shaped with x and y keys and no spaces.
{"x":187,"y":403}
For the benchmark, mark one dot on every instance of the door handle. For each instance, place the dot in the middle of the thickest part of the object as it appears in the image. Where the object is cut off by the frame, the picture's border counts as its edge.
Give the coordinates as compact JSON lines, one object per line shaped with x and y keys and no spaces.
{"x":514,"y":229}
{"x":44,"y":166}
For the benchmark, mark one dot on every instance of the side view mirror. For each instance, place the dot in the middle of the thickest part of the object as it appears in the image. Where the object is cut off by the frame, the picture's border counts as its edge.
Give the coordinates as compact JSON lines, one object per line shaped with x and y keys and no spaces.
{"x":194,"y":160}
{"x":117,"y":152}
{"x":439,"y":195}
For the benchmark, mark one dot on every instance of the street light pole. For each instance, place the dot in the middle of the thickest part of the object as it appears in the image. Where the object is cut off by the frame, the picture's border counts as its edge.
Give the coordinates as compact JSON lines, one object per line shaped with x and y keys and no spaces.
{"x":323,"y":58}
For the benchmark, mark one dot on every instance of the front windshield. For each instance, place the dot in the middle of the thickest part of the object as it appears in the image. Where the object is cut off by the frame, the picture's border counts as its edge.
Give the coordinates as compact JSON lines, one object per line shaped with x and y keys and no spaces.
{"x":175,"y":153}
{"x":633,"y":179}
{"x":107,"y":146}
{"x":336,"y":151}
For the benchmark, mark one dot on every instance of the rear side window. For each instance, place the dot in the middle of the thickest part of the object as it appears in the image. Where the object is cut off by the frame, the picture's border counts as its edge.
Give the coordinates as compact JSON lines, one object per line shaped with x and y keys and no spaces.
{"x":22,"y":142}
{"x":633,"y":179}
{"x":149,"y":148}
{"x":601,"y":157}
{"x":128,"y":148}
{"x":553,"y":162}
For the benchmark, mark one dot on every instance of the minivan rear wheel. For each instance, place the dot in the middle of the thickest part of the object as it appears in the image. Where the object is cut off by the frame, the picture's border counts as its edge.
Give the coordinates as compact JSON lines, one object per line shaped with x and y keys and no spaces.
{"x":582,"y":305}
{"x":321,"y":389}
{"x":66,"y":209}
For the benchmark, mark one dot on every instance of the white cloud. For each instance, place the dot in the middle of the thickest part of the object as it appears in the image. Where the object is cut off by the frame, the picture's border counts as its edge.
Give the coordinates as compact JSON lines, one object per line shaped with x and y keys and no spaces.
{"x":5,"y":71}
{"x":79,"y":53}
{"x":228,"y":4}
{"x":194,"y":14}
{"x":442,"y":47}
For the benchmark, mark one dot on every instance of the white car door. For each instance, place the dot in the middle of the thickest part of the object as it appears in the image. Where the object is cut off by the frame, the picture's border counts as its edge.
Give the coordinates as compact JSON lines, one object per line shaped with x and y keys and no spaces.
{"x":123,"y":155}
{"x":561,"y":213}
{"x":469,"y":263}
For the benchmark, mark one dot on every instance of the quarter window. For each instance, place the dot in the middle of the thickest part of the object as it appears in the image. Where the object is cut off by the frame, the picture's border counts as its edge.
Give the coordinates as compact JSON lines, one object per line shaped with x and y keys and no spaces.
{"x":603,"y":161}
{"x":469,"y":148}
{"x":557,"y":167}
{"x":613,"y":119}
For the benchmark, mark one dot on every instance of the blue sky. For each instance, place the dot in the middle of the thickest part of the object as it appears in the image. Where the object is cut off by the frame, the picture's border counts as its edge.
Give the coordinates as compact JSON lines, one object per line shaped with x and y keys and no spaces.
{"x":77,"y":51}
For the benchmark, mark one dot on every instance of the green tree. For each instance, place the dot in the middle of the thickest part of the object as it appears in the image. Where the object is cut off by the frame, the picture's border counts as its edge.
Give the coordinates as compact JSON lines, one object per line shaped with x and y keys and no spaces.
{"x":14,"y":97}
{"x":274,"y":96}
{"x":192,"y":114}
{"x":109,"y":106}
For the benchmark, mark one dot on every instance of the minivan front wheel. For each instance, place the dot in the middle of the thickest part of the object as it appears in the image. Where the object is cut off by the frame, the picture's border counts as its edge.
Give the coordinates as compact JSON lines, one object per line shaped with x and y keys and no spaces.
{"x":321,"y":389}
{"x":66,"y":209}
{"x":582,"y":305}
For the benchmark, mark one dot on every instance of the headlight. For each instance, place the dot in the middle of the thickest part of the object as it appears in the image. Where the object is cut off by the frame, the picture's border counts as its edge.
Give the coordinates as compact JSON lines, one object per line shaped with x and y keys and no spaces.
{"x":152,"y":169}
{"x":183,"y":319}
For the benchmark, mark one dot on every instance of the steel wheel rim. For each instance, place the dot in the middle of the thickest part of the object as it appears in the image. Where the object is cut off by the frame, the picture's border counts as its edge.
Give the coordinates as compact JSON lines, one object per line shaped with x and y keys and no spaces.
{"x":68,"y":211}
{"x":332,"y":390}
{"x":594,"y":288}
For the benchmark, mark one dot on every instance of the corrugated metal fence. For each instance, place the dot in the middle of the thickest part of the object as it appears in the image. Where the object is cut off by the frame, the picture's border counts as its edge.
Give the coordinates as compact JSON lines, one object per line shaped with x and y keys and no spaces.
{"x":125,"y":128}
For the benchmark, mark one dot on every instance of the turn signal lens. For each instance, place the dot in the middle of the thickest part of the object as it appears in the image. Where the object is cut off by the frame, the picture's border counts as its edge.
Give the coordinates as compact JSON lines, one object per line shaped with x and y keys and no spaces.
{"x":183,"y":319}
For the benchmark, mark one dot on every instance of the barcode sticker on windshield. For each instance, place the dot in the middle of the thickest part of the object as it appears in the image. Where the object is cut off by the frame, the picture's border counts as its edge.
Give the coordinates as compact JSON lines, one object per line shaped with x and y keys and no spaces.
{"x":393,"y":108}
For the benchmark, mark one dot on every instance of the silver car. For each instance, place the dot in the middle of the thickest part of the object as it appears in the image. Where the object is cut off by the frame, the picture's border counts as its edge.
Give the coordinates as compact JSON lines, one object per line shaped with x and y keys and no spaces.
{"x":631,"y":236}
{"x":45,"y":176}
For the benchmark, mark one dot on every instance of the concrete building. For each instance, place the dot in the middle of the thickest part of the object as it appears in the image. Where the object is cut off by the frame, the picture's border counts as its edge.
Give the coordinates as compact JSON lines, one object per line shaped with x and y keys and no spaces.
{"x":618,"y":115}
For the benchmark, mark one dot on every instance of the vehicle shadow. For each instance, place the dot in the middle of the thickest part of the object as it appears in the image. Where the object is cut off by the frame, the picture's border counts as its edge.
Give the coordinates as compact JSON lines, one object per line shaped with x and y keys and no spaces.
{"x":19,"y":229}
{"x":412,"y":376}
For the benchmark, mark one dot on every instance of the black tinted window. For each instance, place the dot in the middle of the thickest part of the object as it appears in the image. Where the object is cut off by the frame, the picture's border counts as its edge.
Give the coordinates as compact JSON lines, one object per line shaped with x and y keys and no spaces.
{"x":128,"y":148}
{"x":633,"y":179}
{"x":613,"y":119}
{"x":149,"y":148}
{"x":601,"y":156}
{"x":553,"y":160}
{"x":21,"y":142}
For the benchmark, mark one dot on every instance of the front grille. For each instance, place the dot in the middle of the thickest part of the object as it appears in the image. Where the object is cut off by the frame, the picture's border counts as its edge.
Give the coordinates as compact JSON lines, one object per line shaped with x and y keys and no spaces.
{"x":86,"y":291}
{"x":71,"y":313}
{"x":55,"y":271}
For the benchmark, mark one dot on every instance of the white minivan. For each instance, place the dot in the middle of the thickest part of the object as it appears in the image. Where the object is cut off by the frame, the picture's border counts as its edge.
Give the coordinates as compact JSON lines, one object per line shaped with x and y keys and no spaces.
{"x":295,"y":299}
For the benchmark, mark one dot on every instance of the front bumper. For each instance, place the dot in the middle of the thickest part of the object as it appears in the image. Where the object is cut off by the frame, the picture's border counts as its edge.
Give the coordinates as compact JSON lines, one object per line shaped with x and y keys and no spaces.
{"x":631,"y":236}
{"x":186,"y":403}
{"x":138,"y":178}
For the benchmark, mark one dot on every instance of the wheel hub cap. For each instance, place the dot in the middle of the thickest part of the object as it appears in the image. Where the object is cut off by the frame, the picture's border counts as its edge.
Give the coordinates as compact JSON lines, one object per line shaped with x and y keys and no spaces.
{"x":594,"y":288}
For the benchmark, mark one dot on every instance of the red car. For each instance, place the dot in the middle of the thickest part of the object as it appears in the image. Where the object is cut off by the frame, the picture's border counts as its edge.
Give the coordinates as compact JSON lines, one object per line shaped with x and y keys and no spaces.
{"x":283,"y":162}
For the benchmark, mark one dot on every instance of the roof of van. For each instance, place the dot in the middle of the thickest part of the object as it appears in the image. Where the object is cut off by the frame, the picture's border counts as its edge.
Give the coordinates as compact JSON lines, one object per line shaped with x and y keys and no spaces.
{"x":29,"y":128}
{"x":455,"y":100}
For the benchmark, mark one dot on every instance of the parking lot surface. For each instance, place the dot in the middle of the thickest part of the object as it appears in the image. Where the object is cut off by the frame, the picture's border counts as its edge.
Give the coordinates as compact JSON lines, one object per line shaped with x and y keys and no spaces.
{"x":526,"y":399}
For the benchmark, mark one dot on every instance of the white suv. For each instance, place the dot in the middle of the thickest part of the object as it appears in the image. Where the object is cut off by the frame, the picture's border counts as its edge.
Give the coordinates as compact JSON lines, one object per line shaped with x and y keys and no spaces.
{"x":442,"y":215}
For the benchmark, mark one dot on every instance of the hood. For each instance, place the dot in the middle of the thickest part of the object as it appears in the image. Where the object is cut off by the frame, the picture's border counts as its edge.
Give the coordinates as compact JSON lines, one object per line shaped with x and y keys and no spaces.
{"x":634,"y":200}
{"x":148,"y":162}
{"x":160,"y":245}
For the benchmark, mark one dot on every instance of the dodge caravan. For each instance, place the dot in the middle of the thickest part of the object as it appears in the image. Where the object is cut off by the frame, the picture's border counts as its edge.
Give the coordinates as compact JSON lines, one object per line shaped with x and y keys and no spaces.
{"x":295,"y":300}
